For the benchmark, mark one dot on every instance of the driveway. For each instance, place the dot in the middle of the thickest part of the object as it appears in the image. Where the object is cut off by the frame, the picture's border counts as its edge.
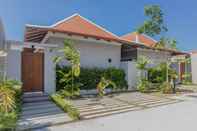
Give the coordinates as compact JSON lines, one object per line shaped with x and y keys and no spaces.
{"x":180,"y":116}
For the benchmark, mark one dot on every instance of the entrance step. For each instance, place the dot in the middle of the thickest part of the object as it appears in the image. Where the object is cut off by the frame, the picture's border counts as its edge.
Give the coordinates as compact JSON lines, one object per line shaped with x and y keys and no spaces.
{"x":108,"y":111}
{"x":33,"y":94}
{"x":31,"y":99}
{"x":38,"y":111}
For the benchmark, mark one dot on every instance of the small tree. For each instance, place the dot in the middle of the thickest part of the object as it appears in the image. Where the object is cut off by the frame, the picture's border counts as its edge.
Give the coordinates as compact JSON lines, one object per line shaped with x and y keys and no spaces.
{"x":104,"y":83}
{"x":142,"y":64}
{"x":73,"y":56}
{"x":154,"y":25}
{"x":143,"y":84}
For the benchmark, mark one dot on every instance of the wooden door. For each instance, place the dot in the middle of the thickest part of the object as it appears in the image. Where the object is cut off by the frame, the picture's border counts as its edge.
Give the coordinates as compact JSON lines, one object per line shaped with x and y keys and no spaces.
{"x":182,"y":70}
{"x":32,"y":71}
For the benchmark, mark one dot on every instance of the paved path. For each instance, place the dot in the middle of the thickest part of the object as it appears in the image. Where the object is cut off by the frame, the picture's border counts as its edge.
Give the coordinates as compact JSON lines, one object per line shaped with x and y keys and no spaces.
{"x":174,"y":117}
{"x":38,"y":111}
{"x":118,"y":103}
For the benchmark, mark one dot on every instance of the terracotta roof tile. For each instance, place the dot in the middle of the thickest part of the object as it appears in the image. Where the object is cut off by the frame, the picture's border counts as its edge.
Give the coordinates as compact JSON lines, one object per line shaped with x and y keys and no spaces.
{"x":81,"y":25}
{"x":76,"y":25}
{"x":140,"y":38}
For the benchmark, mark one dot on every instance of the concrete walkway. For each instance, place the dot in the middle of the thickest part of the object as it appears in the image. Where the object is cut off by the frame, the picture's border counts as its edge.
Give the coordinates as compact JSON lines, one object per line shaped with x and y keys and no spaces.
{"x":38,"y":111}
{"x":118,"y":103}
{"x":174,"y":117}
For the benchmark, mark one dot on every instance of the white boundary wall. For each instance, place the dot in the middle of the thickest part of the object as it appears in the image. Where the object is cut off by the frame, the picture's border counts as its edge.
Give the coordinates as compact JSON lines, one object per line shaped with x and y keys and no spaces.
{"x":131,"y":73}
{"x":14,"y":60}
{"x":14,"y":66}
{"x":194,"y":67}
{"x":49,"y":72}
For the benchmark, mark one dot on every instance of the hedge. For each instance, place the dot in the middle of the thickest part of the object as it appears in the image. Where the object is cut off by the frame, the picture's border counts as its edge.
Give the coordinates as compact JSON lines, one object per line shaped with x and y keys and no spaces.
{"x":90,"y":77}
{"x":66,"y":106}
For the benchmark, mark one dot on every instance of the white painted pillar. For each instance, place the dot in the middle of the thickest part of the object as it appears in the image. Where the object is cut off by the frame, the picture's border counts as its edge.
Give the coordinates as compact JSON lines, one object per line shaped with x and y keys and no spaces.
{"x":49,"y":72}
{"x":131,"y":74}
{"x":194,"y":67}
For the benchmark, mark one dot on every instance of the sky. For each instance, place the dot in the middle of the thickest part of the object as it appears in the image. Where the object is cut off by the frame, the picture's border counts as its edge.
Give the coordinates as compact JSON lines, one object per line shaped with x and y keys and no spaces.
{"x":117,"y":16}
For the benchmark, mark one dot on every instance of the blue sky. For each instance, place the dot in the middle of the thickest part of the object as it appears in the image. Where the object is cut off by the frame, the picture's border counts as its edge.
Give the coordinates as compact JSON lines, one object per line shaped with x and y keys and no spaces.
{"x":118,"y":16}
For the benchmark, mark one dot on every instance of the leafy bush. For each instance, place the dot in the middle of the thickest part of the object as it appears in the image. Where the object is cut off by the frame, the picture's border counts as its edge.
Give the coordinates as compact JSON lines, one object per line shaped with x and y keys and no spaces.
{"x":103,"y":84}
{"x":10,"y":103}
{"x":166,"y":88}
{"x":143,"y":86}
{"x":157,"y":74}
{"x":90,"y":77}
{"x":66,"y":106}
{"x":187,"y":79}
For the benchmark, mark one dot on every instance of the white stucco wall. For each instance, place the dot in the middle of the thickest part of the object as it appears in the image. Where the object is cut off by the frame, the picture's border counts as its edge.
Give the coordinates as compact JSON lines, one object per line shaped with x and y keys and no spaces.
{"x":131,"y":73}
{"x":194,"y":67}
{"x":14,"y":61}
{"x":156,"y":57}
{"x":49,"y":72}
{"x":94,"y":54}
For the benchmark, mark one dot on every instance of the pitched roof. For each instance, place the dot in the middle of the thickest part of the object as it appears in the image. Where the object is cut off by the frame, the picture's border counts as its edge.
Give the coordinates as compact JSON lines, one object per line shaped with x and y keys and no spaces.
{"x":79,"y":24}
{"x":74,"y":24}
{"x":139,"y":38}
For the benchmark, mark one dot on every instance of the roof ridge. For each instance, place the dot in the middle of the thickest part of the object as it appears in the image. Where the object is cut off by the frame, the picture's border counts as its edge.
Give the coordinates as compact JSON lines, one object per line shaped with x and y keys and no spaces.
{"x":65,"y":19}
{"x":149,"y":37}
{"x":140,"y":34}
{"x":89,"y":21}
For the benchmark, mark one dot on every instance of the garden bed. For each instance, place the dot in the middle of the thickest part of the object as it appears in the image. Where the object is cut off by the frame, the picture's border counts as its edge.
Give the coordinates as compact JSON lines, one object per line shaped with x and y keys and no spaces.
{"x":65,"y":105}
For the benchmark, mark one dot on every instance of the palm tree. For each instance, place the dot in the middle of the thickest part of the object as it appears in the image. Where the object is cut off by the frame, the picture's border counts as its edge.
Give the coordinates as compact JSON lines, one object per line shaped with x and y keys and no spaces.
{"x":73,"y":56}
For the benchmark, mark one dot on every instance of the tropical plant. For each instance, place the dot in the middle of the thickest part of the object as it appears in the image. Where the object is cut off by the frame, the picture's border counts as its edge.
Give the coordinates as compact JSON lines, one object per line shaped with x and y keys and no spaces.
{"x":73,"y":56}
{"x":187,"y":78}
{"x":155,"y":24}
{"x":143,"y":85}
{"x":173,"y":44}
{"x":10,"y":103}
{"x":7,"y":100}
{"x":104,"y":83}
{"x":166,"y":88}
{"x":141,"y":64}
{"x":66,"y":105}
{"x":167,"y":43}
{"x":8,"y":90}
{"x":90,"y":77}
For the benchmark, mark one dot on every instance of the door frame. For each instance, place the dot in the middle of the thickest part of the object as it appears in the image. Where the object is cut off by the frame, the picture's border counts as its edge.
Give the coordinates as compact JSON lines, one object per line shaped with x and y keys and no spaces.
{"x":31,"y":50}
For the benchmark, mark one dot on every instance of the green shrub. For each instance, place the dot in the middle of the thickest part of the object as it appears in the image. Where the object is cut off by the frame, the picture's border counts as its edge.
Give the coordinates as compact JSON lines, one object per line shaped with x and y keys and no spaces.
{"x":166,"y":88}
{"x":156,"y":75}
{"x":143,"y":86}
{"x":66,"y":106}
{"x":8,"y":119}
{"x":90,"y":77}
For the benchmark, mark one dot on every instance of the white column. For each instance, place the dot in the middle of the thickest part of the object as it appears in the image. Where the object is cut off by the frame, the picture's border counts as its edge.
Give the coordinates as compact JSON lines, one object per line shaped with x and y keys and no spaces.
{"x":131,"y":74}
{"x":49,"y":72}
{"x":194,"y":67}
